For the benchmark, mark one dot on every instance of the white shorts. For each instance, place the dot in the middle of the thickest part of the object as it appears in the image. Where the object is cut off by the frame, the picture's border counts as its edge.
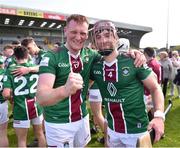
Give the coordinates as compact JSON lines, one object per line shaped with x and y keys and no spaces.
{"x":26,"y":123}
{"x":95,"y":95}
{"x":4,"y":112}
{"x":74,"y":134}
{"x":116,"y":139}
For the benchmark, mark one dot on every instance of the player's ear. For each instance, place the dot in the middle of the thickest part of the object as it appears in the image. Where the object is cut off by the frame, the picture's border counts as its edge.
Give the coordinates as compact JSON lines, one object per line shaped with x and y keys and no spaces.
{"x":87,"y":36}
{"x":65,"y":31}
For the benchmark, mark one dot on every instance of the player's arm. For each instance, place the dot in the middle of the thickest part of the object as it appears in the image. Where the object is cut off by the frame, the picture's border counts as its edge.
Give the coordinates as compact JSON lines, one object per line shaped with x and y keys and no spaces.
{"x":24,"y":70}
{"x":139,"y":57}
{"x":158,"y":100}
{"x":96,"y":108}
{"x":34,"y":69}
{"x":47,"y":95}
{"x":7,"y":93}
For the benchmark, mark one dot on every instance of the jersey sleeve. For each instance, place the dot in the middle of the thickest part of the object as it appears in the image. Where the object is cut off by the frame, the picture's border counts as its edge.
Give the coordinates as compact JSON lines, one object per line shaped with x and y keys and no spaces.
{"x":7,"y":80}
{"x":143,"y":72}
{"x":47,"y":64}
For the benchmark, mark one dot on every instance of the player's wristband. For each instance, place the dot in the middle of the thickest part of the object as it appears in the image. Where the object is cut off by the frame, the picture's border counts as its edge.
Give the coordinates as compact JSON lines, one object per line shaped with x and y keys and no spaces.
{"x":159,"y":114}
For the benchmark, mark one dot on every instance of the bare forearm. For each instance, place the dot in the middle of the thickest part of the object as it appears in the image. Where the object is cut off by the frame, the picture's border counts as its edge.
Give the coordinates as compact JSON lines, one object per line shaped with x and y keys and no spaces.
{"x":96,"y":108}
{"x":101,"y":120}
{"x":34,"y":69}
{"x":158,"y":99}
{"x":47,"y":95}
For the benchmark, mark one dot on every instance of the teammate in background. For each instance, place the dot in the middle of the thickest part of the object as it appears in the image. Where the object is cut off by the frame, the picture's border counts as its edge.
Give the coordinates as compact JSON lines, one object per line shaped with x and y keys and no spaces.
{"x":96,"y":105}
{"x":95,"y":101}
{"x":154,"y":64}
{"x":16,"y":43}
{"x":56,"y":46}
{"x":63,"y":85}
{"x":36,"y":53}
{"x":23,"y":90}
{"x":7,"y":53}
{"x":36,"y":56}
{"x":3,"y":110}
{"x":122,"y":88}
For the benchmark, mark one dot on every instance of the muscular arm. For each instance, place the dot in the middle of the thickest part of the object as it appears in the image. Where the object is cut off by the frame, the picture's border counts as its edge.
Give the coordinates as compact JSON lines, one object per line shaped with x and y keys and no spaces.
{"x":158,"y":101}
{"x":25,"y":70}
{"x":34,"y":69}
{"x":156,"y":91}
{"x":96,"y":108}
{"x":47,"y":95}
{"x":139,"y":57}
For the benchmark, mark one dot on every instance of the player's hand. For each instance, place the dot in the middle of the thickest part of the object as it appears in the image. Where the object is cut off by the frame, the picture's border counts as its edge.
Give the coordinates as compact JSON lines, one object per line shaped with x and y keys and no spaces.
{"x":20,"y":71}
{"x":158,"y":125}
{"x":73,"y":83}
{"x":139,"y":57}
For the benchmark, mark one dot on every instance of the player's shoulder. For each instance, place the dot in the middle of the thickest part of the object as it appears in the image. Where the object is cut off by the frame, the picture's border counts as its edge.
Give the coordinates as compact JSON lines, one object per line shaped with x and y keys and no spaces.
{"x":125,"y":58}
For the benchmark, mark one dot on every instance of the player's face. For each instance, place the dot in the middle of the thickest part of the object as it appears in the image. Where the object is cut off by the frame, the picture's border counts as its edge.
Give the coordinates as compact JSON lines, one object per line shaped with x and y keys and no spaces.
{"x":32,"y":48}
{"x":8,"y":52}
{"x":76,"y":35}
{"x":105,"y":39}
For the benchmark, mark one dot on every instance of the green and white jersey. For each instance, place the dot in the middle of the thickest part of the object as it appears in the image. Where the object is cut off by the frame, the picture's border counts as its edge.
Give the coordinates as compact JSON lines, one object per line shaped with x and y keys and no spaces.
{"x":1,"y":85}
{"x":94,"y":86}
{"x":11,"y":62}
{"x":122,"y":92}
{"x":60,"y":64}
{"x":23,"y":91}
{"x":37,"y":58}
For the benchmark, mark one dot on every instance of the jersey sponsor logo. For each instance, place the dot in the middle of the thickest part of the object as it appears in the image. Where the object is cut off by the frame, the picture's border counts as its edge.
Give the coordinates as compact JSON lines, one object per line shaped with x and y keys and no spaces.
{"x":139,"y":125}
{"x":125,"y":71}
{"x":75,"y":64}
{"x":63,"y":65}
{"x":117,"y":100}
{"x":111,"y":89}
{"x":97,"y":72}
{"x":44,"y":61}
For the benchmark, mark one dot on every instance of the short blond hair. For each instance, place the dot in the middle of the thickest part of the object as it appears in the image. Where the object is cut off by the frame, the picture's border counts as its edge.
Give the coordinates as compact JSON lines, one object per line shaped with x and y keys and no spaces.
{"x":164,"y":53}
{"x":175,"y":53}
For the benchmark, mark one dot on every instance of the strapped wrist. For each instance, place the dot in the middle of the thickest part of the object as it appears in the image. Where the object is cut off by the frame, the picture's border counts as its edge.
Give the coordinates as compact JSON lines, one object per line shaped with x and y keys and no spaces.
{"x":159,"y":114}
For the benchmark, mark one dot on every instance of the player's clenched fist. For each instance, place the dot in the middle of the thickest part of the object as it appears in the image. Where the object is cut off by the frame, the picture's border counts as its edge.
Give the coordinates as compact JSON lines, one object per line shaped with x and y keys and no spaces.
{"x":73,"y":83}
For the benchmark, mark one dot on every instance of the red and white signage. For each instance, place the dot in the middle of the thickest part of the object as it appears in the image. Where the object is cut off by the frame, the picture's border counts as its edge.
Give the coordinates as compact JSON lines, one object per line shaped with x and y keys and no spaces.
{"x":54,"y":16}
{"x":8,"y":11}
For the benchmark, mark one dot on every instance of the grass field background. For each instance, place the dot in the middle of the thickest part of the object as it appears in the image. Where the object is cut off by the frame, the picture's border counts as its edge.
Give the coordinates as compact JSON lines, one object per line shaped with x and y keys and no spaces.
{"x":172,"y":129}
